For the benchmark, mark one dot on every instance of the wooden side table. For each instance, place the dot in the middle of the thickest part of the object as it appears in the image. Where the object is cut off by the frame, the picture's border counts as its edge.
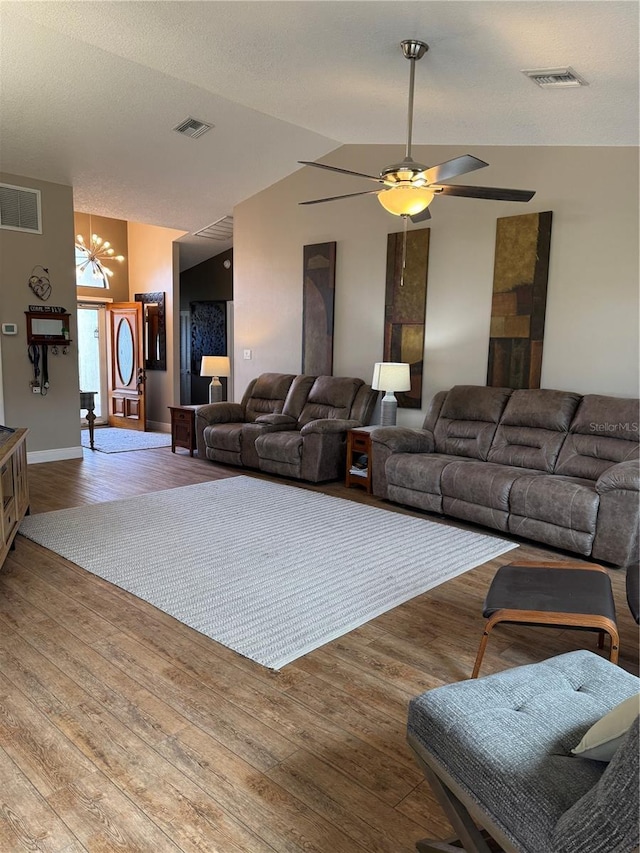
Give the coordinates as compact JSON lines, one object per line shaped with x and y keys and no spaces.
{"x":358,"y":445}
{"x":183,"y":428}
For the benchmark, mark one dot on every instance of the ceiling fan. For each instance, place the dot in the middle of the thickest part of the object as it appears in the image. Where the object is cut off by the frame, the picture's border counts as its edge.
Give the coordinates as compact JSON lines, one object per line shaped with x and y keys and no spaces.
{"x":409,"y":187}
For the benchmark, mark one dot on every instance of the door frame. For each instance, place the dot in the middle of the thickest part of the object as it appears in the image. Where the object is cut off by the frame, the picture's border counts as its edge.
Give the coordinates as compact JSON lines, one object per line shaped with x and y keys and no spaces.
{"x":97,"y":302}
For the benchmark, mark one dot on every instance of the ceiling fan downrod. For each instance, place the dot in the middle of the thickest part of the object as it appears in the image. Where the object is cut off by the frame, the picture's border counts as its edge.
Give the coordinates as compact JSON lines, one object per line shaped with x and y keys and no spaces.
{"x":412,"y":50}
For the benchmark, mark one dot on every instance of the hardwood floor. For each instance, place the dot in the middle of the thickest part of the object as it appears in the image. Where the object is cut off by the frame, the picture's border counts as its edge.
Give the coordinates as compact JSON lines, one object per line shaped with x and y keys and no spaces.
{"x":123,"y":730}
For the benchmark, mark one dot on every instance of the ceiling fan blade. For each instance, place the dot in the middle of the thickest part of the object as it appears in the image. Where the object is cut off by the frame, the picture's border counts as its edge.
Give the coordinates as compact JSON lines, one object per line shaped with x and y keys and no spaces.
{"x":341,"y":171}
{"x":421,"y":217}
{"x":491,"y":193}
{"x":453,"y":168}
{"x":336,"y":197}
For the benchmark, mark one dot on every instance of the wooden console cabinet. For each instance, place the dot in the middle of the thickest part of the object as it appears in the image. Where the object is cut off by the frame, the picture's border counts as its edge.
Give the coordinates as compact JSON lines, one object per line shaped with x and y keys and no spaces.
{"x":14,"y":487}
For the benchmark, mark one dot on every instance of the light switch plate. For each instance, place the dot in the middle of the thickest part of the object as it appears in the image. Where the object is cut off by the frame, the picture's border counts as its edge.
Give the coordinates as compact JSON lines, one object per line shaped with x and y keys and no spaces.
{"x":247,"y":355}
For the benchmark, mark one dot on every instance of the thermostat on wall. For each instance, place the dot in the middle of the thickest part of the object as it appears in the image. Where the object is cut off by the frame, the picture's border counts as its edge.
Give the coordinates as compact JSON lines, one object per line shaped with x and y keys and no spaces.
{"x":9,"y":328}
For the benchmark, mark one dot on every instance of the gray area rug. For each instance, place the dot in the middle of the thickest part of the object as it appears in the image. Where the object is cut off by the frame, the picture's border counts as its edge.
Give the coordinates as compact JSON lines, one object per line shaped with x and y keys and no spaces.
{"x":115,"y":440}
{"x":268,"y":570}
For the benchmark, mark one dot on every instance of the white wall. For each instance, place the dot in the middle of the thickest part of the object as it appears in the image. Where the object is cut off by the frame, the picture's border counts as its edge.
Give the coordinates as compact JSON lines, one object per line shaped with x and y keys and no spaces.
{"x":591,"y":336}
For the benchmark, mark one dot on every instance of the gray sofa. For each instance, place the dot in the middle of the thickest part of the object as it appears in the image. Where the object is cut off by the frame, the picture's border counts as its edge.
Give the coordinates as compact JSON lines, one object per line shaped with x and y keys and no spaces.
{"x":552,"y":466}
{"x":295,"y":426}
{"x":497,"y":752}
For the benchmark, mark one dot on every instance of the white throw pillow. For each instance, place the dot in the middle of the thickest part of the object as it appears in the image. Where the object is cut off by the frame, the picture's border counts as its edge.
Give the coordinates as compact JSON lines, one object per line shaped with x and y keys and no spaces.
{"x":605,"y":736}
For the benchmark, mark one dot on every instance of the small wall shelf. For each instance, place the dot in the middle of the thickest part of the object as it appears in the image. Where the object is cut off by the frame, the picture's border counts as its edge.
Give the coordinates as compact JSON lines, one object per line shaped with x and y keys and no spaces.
{"x":47,"y":328}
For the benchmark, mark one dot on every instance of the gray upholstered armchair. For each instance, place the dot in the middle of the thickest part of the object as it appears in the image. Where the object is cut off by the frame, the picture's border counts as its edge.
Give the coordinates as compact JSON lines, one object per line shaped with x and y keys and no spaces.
{"x":219,"y":425}
{"x":313,"y":446}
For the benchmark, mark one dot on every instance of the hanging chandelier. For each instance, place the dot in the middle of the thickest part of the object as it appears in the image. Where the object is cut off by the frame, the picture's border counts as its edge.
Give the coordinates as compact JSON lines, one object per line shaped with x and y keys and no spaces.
{"x":92,"y":257}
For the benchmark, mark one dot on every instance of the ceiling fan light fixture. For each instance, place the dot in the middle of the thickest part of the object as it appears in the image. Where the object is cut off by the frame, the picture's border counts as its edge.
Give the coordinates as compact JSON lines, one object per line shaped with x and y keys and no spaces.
{"x":405,"y":200}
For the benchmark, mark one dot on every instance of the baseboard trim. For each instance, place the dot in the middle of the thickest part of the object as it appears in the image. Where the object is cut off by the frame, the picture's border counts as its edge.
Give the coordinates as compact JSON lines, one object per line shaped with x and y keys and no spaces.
{"x":54,"y":455}
{"x":158,"y":426}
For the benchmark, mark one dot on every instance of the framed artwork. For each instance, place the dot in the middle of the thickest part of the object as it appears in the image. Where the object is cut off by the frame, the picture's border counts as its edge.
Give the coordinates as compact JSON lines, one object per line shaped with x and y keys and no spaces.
{"x":318,"y":297}
{"x":405,"y":308}
{"x":520,"y":277}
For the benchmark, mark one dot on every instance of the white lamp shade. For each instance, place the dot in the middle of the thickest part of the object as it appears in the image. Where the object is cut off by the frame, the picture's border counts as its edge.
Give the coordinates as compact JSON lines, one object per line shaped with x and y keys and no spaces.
{"x":391,"y":376}
{"x":215,"y":365}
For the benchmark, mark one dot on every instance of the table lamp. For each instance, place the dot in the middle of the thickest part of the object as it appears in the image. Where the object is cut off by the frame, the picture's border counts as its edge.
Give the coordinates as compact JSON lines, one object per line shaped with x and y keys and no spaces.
{"x":390,"y":376}
{"x":215,"y":366}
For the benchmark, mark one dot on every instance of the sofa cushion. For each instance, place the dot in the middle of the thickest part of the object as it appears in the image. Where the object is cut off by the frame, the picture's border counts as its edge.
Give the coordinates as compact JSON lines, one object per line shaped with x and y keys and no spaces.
{"x":419,"y":471}
{"x":283,"y":446}
{"x":224,"y":437}
{"x":482,"y":483}
{"x":569,"y":502}
{"x":604,"y":431}
{"x":541,"y":408}
{"x":505,"y":739}
{"x":330,"y":397}
{"x":468,"y":420}
{"x":297,"y":396}
{"x":267,"y":395}
{"x":533,"y":428}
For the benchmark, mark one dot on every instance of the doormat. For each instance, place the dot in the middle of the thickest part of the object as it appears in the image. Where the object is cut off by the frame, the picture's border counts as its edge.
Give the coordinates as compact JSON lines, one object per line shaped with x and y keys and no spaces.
{"x":116,"y":440}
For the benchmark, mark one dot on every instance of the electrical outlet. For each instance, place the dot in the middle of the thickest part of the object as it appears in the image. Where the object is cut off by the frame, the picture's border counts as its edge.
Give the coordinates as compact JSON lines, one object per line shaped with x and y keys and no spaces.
{"x":35,"y":389}
{"x":247,"y":355}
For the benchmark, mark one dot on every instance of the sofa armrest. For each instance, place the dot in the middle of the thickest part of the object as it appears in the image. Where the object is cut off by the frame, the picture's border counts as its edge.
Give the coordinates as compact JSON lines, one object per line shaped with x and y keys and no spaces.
{"x":404,"y":439}
{"x":220,"y":413}
{"x":329,"y":425}
{"x":625,"y":476}
{"x":283,"y":421}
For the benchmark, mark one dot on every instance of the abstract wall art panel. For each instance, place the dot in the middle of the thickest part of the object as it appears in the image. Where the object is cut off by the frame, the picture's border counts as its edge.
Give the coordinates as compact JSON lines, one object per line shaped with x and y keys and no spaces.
{"x":405,"y":307}
{"x":317,"y":308}
{"x":520,"y":278}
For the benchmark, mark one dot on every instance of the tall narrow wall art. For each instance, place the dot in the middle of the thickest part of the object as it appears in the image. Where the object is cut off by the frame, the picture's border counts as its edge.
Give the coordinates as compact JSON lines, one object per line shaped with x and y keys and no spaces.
{"x":520,"y":278}
{"x":405,"y":307}
{"x":317,"y":308}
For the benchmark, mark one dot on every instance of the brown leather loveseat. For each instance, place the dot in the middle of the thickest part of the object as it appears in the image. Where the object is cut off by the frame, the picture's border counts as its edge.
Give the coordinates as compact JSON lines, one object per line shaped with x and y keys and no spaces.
{"x":295,"y":426}
{"x":552,"y":466}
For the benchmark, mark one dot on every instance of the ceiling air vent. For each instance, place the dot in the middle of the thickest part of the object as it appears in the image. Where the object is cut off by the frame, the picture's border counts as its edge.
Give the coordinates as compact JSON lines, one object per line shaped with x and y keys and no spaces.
{"x":192,"y":127}
{"x":220,"y":230}
{"x":556,"y":78}
{"x":20,"y":209}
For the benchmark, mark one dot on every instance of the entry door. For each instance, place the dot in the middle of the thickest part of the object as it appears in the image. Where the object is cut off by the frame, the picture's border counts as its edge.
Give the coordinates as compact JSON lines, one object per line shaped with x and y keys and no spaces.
{"x":125,"y":362}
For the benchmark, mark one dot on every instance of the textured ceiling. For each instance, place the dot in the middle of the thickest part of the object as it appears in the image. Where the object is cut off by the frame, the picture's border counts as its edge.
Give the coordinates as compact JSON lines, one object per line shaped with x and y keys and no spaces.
{"x":91,"y":90}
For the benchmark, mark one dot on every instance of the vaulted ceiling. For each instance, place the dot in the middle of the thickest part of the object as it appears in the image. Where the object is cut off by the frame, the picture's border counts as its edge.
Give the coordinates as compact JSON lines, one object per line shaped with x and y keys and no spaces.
{"x":90,"y":91}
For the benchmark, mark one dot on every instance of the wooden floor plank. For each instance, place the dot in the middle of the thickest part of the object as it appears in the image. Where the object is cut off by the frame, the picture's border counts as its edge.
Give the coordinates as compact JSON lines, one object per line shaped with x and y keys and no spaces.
{"x":185,"y":813}
{"x":27,"y":821}
{"x":107,"y":821}
{"x":123,"y":730}
{"x":380,"y":828}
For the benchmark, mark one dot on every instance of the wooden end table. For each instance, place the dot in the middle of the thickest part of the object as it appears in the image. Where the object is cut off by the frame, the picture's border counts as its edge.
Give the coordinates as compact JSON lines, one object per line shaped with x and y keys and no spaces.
{"x":359,"y":444}
{"x":183,"y":428}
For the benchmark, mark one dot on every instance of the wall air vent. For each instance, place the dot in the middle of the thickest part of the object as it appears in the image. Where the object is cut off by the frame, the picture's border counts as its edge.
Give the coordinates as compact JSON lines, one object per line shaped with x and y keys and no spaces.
{"x":192,"y":127}
{"x":220,"y":230}
{"x":556,"y":78}
{"x":20,"y":209}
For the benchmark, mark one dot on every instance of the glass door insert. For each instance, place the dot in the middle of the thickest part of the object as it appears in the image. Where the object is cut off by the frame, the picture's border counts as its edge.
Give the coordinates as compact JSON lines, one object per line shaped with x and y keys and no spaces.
{"x":92,"y":356}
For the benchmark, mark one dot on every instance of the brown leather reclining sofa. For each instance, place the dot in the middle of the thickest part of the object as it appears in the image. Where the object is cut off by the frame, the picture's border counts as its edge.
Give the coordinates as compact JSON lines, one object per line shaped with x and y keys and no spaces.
{"x":295,"y":426}
{"x":552,"y":466}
